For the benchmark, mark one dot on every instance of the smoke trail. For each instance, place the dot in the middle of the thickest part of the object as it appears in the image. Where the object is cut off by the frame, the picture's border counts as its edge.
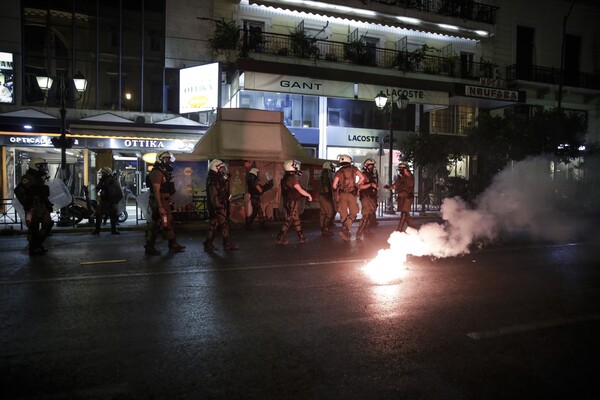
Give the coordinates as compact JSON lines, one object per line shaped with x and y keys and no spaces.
{"x":523,"y":199}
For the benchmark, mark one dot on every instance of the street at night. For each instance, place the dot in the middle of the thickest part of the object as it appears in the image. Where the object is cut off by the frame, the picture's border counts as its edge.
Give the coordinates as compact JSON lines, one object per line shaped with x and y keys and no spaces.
{"x":97,"y":319}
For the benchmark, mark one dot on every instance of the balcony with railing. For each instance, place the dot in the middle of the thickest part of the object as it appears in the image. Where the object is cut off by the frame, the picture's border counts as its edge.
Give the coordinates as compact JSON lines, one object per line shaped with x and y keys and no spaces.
{"x":537,"y":73}
{"x":297,"y":45}
{"x":463,"y":9}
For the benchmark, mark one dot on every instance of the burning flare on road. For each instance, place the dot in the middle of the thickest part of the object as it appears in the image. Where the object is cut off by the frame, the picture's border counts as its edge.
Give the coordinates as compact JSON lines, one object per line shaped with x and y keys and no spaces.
{"x":522,"y":199}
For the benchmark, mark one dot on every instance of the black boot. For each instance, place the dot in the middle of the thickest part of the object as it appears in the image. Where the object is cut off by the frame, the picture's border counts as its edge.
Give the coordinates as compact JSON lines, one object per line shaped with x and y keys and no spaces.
{"x":150,"y":250}
{"x":228,"y":244}
{"x":175,"y":247}
{"x":281,"y":238}
{"x":301,"y":237}
{"x":401,"y":227}
{"x":209,"y":247}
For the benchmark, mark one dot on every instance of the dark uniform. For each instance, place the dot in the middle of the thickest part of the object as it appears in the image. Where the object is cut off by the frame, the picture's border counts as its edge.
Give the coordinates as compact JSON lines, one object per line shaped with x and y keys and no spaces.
{"x":217,"y":188}
{"x":327,"y":209}
{"x":346,"y":187}
{"x":34,"y":195}
{"x":161,"y":189}
{"x":292,"y":192}
{"x":405,"y":187}
{"x":368,"y":199}
{"x":109,"y":193}
{"x":255,"y":190}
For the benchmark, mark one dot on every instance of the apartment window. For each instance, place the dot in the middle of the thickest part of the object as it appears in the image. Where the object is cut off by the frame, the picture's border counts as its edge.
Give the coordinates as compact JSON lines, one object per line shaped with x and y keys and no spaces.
{"x":452,"y":120}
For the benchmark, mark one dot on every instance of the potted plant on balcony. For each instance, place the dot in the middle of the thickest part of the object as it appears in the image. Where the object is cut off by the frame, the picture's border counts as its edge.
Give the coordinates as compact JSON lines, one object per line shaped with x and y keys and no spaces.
{"x":225,"y":39}
{"x":358,"y":52}
{"x":450,"y":65}
{"x":303,"y":45}
{"x":403,"y":61}
{"x":411,"y":61}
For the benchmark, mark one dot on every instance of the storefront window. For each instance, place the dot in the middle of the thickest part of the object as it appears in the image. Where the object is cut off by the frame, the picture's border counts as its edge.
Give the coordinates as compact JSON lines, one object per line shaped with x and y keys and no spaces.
{"x":355,"y":114}
{"x":298,"y":111}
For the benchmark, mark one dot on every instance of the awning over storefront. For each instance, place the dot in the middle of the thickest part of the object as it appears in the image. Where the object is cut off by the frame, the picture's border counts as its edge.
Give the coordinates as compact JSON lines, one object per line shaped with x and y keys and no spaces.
{"x":248,"y":134}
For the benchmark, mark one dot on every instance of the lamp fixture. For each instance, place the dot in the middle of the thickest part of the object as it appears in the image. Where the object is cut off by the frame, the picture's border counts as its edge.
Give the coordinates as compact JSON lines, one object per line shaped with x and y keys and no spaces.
{"x":80,"y":82}
{"x":44,"y":81}
{"x":402,"y":102}
{"x":381,"y":100}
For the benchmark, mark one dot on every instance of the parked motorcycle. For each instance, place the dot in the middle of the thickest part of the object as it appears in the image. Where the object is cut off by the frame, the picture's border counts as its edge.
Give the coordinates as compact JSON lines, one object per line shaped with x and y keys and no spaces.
{"x":122,"y":206}
{"x":82,"y":207}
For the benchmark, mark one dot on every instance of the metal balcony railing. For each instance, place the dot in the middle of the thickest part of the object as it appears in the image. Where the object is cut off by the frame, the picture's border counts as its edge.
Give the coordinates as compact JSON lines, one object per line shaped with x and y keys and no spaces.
{"x":360,"y":53}
{"x":463,"y":9}
{"x":536,"y":73}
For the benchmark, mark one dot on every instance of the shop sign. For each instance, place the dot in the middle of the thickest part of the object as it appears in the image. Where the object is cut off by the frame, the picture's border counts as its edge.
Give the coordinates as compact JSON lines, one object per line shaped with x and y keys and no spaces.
{"x":6,"y":78}
{"x":297,"y":85}
{"x":415,"y":96}
{"x":145,"y":144}
{"x":352,"y":137}
{"x":492,"y":93}
{"x":199,"y":88}
{"x":34,"y":141}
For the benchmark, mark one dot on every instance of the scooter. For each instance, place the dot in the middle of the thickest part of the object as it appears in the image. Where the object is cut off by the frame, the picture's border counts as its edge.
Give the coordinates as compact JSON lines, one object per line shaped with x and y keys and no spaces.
{"x":122,"y":206}
{"x":81,"y":208}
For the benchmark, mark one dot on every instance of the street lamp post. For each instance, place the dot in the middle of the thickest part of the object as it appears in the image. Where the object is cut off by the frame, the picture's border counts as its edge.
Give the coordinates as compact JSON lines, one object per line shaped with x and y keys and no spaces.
{"x":381,"y":102}
{"x":62,"y":142}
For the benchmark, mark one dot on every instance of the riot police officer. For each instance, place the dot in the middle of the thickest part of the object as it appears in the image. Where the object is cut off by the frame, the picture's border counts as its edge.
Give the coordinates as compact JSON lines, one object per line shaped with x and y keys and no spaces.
{"x":109,"y":194}
{"x":368,"y":198}
{"x":292,"y":192}
{"x":405,"y":187}
{"x":345,"y":184}
{"x":217,"y":188}
{"x":256,"y":190}
{"x":161,"y":190}
{"x":327,"y":206}
{"x":34,"y":195}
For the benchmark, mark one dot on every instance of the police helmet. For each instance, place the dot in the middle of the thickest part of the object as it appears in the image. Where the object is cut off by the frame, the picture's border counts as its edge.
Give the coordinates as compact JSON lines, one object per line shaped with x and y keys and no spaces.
{"x":254,"y":171}
{"x":369,"y":161}
{"x":105,"y":171}
{"x":36,"y":162}
{"x":165,"y":156}
{"x":215,"y":165}
{"x":291,"y":165}
{"x":40,"y":164}
{"x":345,"y":159}
{"x":328,"y":165}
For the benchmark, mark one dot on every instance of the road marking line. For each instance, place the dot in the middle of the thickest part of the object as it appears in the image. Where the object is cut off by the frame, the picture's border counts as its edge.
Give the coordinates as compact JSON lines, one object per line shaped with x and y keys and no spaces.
{"x":531,"y":327}
{"x":101,"y":262}
{"x":191,"y":270}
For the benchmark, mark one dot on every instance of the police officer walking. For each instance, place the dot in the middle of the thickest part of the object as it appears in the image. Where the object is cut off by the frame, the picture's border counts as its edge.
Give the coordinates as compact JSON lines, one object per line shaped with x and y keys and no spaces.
{"x":255,"y":190}
{"x":327,"y":209}
{"x":109,"y":194}
{"x":368,"y":198}
{"x":345,"y":184}
{"x":161,"y":189}
{"x":405,"y":187}
{"x":292,"y":192}
{"x":217,"y":188}
{"x":34,"y":195}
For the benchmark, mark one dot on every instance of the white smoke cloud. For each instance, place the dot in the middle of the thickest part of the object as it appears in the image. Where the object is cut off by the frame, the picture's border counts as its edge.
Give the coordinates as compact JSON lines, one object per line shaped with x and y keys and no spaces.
{"x":523,"y":199}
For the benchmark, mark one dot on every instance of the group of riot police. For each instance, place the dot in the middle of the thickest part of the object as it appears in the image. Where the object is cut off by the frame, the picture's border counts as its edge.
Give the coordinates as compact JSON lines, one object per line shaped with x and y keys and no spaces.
{"x":339,"y":192}
{"x":348,"y":184}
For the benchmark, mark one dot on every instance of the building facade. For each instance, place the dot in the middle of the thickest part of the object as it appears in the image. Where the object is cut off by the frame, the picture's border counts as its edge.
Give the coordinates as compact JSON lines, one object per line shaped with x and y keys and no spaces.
{"x":319,"y":63}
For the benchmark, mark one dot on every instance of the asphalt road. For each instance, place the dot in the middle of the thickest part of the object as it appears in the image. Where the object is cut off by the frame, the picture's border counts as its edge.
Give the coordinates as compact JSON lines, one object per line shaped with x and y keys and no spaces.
{"x":97,"y":319}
